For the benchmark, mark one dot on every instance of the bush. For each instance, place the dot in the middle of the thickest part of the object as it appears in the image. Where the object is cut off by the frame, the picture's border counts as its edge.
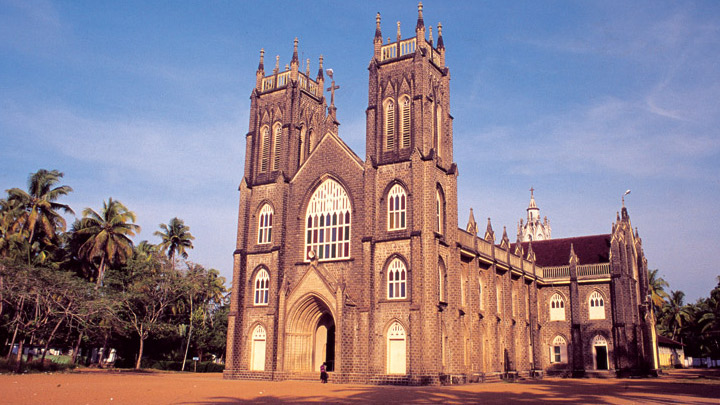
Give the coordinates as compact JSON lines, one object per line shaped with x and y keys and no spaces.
{"x":35,"y":366}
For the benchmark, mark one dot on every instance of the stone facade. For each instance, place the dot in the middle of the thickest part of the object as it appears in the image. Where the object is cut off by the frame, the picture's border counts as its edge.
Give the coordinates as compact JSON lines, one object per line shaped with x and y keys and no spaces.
{"x":384,"y":288}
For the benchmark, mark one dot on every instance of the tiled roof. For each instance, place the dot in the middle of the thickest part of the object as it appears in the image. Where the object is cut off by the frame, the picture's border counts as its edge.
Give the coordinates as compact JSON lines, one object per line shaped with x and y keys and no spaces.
{"x":556,"y":252}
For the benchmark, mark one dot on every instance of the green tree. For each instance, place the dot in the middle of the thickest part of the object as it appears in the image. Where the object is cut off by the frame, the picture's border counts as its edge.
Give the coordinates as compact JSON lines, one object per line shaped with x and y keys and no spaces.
{"x":40,"y":208}
{"x":175,"y":239}
{"x":675,"y":314}
{"x":146,"y":291}
{"x":657,"y":285}
{"x":107,"y":235}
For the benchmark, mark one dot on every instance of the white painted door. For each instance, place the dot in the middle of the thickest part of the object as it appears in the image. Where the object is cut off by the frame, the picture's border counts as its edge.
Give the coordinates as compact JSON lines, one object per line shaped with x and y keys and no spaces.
{"x":397,"y":357}
{"x":257,"y":362}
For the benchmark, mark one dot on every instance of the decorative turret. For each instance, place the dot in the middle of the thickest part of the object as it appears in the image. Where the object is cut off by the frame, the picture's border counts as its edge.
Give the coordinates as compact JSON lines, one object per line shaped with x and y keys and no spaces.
{"x":534,"y":229}
{"x":472,"y":225}
{"x":440,"y":43}
{"x":420,"y":22}
{"x":294,"y":62}
{"x":260,"y":70}
{"x":489,"y":233}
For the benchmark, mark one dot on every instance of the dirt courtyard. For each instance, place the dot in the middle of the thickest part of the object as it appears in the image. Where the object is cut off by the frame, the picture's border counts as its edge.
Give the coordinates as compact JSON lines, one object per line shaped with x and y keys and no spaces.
{"x":113,"y":387}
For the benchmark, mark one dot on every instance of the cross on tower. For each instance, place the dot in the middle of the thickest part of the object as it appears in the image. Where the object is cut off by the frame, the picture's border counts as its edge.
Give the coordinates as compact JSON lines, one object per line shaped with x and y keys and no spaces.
{"x":531,"y":191}
{"x":332,"y":89}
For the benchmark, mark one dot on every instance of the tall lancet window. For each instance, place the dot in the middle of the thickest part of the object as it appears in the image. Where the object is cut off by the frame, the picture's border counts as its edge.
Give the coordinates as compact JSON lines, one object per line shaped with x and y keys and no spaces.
{"x":397,"y":280}
{"x":327,"y":231}
{"x":277,"y":132}
{"x":438,"y":130}
{"x":405,"y":121}
{"x":264,"y":148}
{"x":265,"y":224}
{"x":397,"y":199}
{"x":389,"y":124}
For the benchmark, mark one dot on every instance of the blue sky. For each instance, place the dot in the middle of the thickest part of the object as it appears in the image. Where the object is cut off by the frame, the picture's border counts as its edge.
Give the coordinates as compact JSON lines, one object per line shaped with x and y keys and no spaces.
{"x":147,"y":103}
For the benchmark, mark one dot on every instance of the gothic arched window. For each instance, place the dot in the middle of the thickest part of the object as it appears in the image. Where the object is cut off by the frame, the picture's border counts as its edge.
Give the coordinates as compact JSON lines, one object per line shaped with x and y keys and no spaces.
{"x":262,"y":287}
{"x":442,"y":281}
{"x":328,"y":223}
{"x":264,"y":148}
{"x":438,"y":129}
{"x":389,"y":124}
{"x":405,"y":121}
{"x":439,"y":211}
{"x":265,"y":224}
{"x":397,"y":280}
{"x":597,"y":306}
{"x":557,"y":308}
{"x":277,"y":132}
{"x":397,"y":199}
{"x":558,"y":350}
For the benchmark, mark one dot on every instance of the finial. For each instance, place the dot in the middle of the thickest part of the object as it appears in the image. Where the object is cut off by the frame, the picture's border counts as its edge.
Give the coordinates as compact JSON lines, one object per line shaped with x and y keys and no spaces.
{"x":378,"y":33}
{"x":420,"y":22}
{"x":440,"y":44}
{"x":261,"y":65}
{"x":307,"y":67}
{"x":287,"y":66}
{"x":431,"y":36}
{"x":389,"y":40}
{"x":532,"y":190}
{"x":398,"y":32}
{"x":320,"y":70}
{"x":295,"y":52}
{"x":277,"y":63}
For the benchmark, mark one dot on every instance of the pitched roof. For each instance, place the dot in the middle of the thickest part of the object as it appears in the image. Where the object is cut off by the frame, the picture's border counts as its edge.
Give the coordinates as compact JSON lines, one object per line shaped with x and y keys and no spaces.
{"x":662,"y":340}
{"x":556,"y":252}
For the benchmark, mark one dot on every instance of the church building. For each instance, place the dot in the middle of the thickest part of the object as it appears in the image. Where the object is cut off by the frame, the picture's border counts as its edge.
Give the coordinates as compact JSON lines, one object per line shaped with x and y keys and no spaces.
{"x":360,"y":264}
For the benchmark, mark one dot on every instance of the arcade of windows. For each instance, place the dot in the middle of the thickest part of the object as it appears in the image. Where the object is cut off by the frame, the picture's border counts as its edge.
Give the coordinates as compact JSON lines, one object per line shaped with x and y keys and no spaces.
{"x":557,"y":308}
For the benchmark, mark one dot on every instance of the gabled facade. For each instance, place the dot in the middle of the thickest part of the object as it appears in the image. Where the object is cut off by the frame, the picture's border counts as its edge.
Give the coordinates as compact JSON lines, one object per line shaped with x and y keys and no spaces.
{"x":360,"y":264}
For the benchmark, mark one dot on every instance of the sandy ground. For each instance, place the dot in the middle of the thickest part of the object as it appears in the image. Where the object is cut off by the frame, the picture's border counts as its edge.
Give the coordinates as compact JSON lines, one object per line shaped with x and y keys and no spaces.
{"x":113,"y":387}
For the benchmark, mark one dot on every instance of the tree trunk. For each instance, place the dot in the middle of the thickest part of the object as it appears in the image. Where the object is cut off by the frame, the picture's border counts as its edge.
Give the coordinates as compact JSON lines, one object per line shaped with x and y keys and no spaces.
{"x":18,"y":359}
{"x":140,"y":353}
{"x":17,"y":325}
{"x":77,"y":347}
{"x":103,"y":354}
{"x":187,"y":345}
{"x":101,"y":272}
{"x":47,"y":343}
{"x":12,"y":343}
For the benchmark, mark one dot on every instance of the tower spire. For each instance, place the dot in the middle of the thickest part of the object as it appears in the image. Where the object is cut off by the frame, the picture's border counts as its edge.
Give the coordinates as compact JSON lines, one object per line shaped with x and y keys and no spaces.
{"x":378,"y":32}
{"x":261,"y":65}
{"x":295,"y":60}
{"x":420,"y":22}
{"x":440,"y":43}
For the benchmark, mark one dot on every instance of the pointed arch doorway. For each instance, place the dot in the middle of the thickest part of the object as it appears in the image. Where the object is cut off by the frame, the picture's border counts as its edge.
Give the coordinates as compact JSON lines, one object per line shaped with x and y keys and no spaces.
{"x":310,"y":336}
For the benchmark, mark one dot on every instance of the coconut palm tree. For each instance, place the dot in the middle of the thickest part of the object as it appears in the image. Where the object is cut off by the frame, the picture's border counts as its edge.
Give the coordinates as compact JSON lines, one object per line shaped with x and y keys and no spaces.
{"x":657,"y":285}
{"x":40,"y":209}
{"x":108,"y":235}
{"x":176,"y":238}
{"x":676,"y":313}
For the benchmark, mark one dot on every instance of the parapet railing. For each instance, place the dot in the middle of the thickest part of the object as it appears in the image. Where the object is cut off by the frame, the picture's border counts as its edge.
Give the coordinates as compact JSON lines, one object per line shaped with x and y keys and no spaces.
{"x":281,"y":80}
{"x":404,"y":47}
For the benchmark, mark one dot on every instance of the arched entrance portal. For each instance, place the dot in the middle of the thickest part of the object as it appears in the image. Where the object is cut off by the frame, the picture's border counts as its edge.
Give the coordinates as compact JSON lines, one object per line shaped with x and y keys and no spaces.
{"x":310,"y":336}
